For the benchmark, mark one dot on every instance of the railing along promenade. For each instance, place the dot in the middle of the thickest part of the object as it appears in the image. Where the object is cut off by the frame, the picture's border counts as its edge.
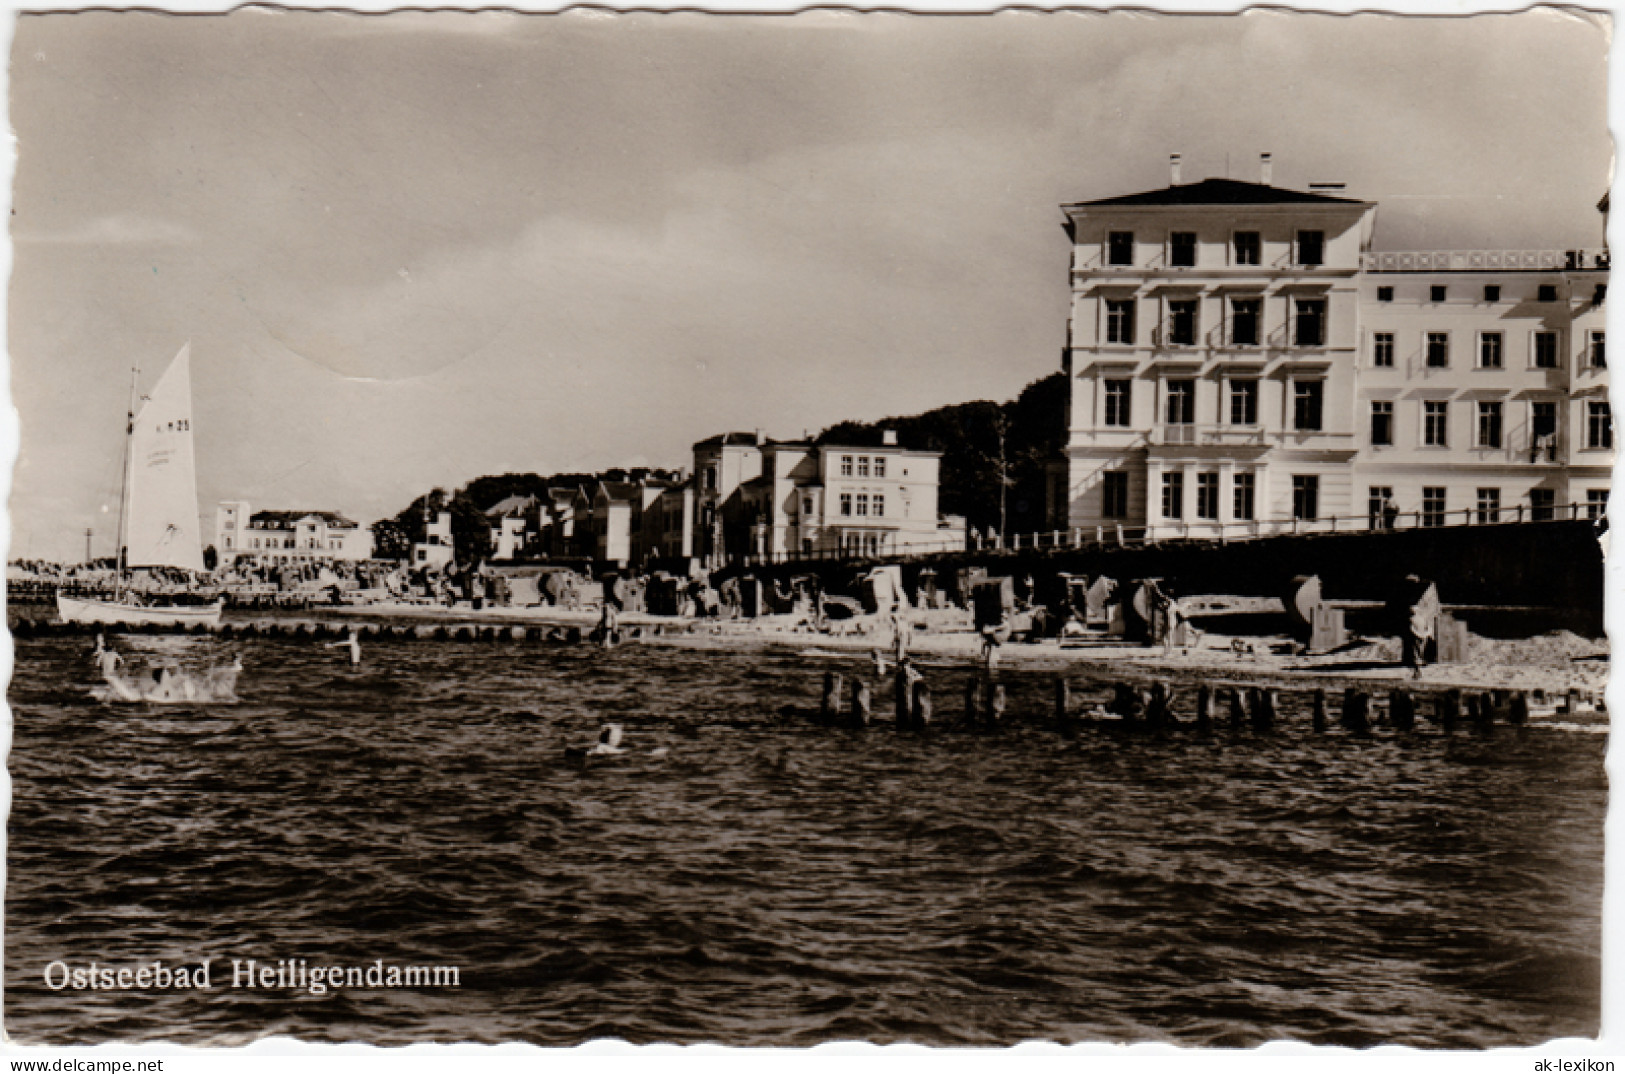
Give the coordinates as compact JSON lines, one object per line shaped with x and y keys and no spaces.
{"x":1121,"y":536}
{"x":1483,"y":260}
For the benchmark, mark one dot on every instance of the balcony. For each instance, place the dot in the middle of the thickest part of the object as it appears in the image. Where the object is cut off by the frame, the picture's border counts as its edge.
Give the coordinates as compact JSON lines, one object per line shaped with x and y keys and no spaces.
{"x":1175,"y":434}
{"x":1483,"y":260}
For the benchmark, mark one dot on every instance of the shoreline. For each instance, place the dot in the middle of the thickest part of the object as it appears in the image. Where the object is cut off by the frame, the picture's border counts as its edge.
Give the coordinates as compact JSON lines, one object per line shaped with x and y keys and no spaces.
{"x":1552,"y":663}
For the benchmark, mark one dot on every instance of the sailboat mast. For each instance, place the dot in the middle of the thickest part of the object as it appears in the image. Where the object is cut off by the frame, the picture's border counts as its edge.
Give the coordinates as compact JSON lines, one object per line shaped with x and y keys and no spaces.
{"x":124,"y":491}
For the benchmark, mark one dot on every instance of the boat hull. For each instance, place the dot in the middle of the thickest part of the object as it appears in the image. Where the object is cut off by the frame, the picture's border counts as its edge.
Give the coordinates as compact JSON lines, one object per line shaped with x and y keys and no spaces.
{"x":112,"y":613}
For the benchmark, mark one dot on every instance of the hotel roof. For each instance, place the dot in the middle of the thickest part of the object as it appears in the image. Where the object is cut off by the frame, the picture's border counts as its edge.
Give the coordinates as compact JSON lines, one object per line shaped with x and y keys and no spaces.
{"x":1218,"y":192}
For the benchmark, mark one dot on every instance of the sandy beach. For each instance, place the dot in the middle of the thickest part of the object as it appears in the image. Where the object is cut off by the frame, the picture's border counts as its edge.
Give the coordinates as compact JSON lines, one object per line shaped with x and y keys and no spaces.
{"x":1553,"y":663}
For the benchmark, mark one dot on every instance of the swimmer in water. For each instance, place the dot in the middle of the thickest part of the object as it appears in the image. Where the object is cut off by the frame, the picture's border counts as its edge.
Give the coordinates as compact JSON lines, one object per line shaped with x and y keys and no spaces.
{"x":354,"y":643}
{"x":609,"y":740}
{"x":223,"y":681}
{"x":164,"y":685}
{"x":107,"y":661}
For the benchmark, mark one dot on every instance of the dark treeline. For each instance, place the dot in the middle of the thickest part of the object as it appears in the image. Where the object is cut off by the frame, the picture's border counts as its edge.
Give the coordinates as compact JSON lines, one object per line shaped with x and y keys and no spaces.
{"x":994,"y":460}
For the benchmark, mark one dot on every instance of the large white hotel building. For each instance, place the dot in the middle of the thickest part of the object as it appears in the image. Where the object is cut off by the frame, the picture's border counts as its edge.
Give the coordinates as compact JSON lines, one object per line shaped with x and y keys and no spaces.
{"x":1242,"y":362}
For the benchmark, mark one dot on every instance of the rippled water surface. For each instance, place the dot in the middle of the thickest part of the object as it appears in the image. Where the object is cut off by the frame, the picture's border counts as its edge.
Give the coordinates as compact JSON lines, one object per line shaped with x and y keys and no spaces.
{"x":770,"y":881}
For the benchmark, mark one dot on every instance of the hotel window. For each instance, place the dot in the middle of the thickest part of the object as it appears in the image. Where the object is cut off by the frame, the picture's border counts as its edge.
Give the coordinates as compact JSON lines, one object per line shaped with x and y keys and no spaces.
{"x":1432,"y":505}
{"x":1596,"y":503}
{"x":1542,"y":505}
{"x":1182,"y":322}
{"x":1182,"y":249}
{"x":880,"y":466}
{"x":1385,"y":294}
{"x":711,"y":477}
{"x":1546,"y":293}
{"x":1382,"y":350}
{"x":1114,"y":494}
{"x":1306,"y":405}
{"x":1545,"y":350}
{"x":1489,"y":507}
{"x":1599,"y":295}
{"x":806,"y":509}
{"x":1173,"y":494}
{"x":880,"y":505}
{"x":1118,"y":398}
{"x":846,"y":466}
{"x":1244,"y":318}
{"x":1382,"y":422}
{"x":1120,"y":248}
{"x":1305,"y":496}
{"x":1435,"y":418}
{"x":1438,"y":350}
{"x":863,"y":466}
{"x":1248,"y":248}
{"x":846,"y":504}
{"x":1311,"y":248}
{"x":1309,"y":326}
{"x":1489,"y":424}
{"x":1378,"y":502}
{"x":1181,"y":402}
{"x":1244,"y":402}
{"x":1599,"y":426}
{"x":1436,"y":293}
{"x":1599,"y":350}
{"x":1120,"y":321}
{"x":1207,"y":495}
{"x":1543,"y":431}
{"x":1490,"y":345}
{"x":1492,"y":292}
{"x":863,"y":504}
{"x":1242,"y":499}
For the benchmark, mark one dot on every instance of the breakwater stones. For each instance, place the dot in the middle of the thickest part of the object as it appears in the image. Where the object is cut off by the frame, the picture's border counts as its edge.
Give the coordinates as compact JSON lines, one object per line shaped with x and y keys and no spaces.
{"x":1255,"y":712}
{"x":317,"y":630}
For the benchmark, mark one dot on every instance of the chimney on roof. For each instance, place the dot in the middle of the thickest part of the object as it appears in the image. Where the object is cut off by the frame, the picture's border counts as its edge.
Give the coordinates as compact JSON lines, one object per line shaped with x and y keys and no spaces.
{"x":888,"y":437}
{"x":1173,"y":168}
{"x":1266,"y":174}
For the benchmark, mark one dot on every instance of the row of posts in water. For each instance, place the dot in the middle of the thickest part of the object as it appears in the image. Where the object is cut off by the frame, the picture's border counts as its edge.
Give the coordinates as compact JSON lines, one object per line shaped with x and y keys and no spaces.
{"x":1255,"y":709}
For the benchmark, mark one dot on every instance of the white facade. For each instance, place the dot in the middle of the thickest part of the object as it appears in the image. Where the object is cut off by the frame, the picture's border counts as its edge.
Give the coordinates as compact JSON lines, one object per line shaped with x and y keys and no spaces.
{"x":831,"y":500}
{"x":1242,"y":363}
{"x":286,"y":536}
{"x":436,"y":550}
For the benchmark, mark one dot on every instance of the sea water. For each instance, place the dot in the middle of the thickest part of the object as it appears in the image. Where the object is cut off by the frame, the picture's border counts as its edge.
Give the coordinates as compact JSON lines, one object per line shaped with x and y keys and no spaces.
{"x":764,"y":880}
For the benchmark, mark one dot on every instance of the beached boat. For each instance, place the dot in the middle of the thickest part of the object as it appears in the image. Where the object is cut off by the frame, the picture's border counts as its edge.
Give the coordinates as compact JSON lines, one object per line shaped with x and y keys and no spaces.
{"x":158,"y":524}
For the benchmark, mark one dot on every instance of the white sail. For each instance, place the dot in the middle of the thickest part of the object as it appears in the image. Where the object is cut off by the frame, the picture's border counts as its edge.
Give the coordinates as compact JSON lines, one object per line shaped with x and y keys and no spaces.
{"x":161,"y":524}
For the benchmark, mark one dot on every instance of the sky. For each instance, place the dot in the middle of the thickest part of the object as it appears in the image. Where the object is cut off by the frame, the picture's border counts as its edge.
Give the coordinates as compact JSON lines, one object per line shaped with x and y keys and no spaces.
{"x":412,"y":249}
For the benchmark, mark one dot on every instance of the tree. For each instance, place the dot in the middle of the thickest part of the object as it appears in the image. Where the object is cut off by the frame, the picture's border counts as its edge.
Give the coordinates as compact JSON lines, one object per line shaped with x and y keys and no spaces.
{"x":390,"y":540}
{"x":210,"y":558}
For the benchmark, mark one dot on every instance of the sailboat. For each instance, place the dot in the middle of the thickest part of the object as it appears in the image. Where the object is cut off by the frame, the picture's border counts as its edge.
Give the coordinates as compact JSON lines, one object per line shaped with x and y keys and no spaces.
{"x":158,"y":525}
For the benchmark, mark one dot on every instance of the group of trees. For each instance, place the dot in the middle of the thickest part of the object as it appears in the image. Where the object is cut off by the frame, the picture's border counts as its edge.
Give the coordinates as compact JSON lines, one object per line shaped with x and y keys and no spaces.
{"x":995,"y":459}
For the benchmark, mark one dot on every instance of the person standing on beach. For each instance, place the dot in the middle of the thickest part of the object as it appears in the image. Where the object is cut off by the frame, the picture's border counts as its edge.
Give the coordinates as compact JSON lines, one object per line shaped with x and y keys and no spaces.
{"x":901,"y":631}
{"x":1415,"y":610}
